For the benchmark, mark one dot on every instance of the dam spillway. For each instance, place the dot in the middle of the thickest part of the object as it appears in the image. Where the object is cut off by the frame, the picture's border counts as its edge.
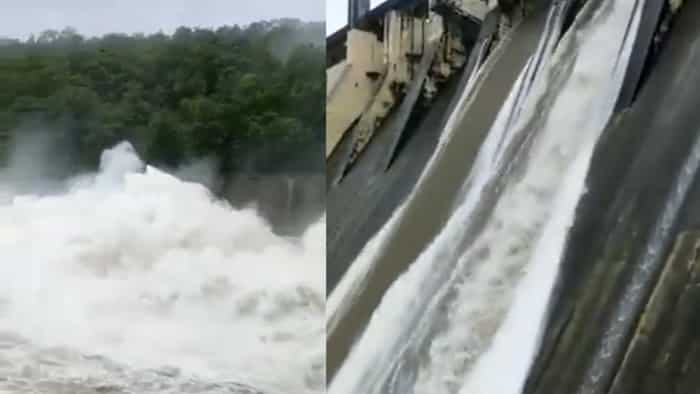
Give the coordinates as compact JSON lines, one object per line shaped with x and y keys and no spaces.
{"x":486,"y":168}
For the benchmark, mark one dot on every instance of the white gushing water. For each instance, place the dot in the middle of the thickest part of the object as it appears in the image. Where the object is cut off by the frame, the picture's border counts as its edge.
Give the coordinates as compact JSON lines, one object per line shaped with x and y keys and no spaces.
{"x":135,"y":281}
{"x":465,"y":317}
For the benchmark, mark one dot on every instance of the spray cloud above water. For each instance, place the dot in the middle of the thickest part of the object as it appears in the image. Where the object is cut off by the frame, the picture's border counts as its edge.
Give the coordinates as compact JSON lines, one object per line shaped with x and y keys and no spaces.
{"x":143,"y":270}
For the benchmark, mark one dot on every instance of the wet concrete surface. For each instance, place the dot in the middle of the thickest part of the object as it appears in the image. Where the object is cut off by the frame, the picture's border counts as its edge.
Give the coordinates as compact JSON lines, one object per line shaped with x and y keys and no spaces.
{"x":364,"y":200}
{"x":632,"y":174}
{"x":290,"y":203}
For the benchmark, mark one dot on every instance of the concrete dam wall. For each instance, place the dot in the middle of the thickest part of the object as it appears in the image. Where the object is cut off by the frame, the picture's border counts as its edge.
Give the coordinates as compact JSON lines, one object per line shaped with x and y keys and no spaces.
{"x":538,"y":233}
{"x":289,"y":202}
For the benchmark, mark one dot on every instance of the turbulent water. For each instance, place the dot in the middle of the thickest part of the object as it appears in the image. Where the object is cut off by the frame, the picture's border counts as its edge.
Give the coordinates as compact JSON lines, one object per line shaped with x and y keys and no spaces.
{"x":130,"y":280}
{"x":465,"y":317}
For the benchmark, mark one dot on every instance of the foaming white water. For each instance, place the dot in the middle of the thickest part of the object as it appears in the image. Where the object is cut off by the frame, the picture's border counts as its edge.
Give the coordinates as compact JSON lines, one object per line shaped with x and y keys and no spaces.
{"x":136,"y":266}
{"x":435,"y":323}
{"x":516,"y":343}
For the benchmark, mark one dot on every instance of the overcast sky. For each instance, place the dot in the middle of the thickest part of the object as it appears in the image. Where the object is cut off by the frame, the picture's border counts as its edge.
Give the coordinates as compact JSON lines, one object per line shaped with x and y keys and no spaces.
{"x":337,"y":14}
{"x":20,"y":18}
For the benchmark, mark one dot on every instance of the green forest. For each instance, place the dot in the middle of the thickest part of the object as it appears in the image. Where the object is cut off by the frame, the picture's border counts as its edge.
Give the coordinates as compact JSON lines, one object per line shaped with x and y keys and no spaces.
{"x":248,"y":96}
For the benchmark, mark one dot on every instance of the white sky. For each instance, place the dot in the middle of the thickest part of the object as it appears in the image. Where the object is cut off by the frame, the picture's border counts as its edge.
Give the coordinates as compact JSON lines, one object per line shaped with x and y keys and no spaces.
{"x":337,"y":14}
{"x":20,"y":18}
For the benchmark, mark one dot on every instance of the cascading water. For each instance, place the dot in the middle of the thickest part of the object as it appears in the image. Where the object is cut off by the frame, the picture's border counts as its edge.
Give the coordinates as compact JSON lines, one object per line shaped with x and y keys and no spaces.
{"x":131,"y":280}
{"x":290,"y":196}
{"x":448,"y":324}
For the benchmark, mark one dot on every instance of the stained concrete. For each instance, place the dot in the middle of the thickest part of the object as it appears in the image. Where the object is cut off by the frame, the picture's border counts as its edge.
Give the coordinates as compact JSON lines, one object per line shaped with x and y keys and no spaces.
{"x":632,"y":174}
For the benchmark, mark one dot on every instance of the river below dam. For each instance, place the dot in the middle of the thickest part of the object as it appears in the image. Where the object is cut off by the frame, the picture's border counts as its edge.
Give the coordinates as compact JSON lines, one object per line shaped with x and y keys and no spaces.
{"x":130,"y":280}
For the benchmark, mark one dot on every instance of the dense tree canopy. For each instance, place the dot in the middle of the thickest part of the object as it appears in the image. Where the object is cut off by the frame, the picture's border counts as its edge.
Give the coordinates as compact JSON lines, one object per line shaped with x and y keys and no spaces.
{"x":252,"y":97}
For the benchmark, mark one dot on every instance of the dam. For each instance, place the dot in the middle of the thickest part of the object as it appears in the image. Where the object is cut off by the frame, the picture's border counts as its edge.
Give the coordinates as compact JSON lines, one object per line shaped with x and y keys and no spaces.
{"x":510,"y":193}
